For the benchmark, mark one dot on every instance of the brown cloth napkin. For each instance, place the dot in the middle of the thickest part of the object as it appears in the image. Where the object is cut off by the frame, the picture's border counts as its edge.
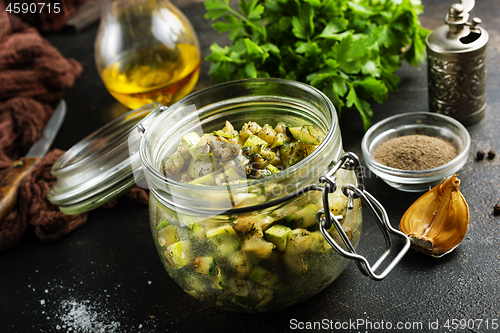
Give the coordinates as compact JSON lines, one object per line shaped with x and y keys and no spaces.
{"x":35,"y":210}
{"x":30,"y":66}
{"x":21,"y":123}
{"x":32,"y":73}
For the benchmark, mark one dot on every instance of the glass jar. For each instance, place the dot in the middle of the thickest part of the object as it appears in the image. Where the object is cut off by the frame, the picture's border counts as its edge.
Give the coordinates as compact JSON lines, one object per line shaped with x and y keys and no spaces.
{"x":146,"y":51}
{"x":215,"y":241}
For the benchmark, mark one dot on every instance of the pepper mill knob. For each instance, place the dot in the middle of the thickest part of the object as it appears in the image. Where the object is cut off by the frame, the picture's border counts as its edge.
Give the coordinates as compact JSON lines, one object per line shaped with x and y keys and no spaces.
{"x":456,"y":11}
{"x":457,"y":17}
{"x":475,"y":22}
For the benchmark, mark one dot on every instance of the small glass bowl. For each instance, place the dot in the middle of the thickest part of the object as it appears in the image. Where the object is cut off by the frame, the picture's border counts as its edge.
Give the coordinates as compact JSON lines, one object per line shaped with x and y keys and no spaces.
{"x":424,"y":123}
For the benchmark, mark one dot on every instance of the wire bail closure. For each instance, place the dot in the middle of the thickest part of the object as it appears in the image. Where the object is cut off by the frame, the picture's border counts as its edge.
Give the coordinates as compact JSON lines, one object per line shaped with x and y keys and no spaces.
{"x":325,"y":220}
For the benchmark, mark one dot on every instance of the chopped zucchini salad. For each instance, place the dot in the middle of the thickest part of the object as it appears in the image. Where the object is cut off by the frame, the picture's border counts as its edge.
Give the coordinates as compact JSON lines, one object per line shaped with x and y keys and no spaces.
{"x":227,"y":156}
{"x":257,"y":261}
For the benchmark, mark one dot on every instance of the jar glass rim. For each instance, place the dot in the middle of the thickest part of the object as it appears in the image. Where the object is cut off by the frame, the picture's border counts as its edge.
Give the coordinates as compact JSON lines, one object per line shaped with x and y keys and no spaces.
{"x":174,"y":184}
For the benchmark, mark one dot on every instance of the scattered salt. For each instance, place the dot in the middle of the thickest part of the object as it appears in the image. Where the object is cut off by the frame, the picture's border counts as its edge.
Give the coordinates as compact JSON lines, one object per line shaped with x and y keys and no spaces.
{"x":80,"y":316}
{"x":42,"y":302}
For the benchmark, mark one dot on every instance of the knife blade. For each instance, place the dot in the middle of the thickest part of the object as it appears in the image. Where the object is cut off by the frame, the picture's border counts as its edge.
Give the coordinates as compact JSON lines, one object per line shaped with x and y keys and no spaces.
{"x":9,"y":185}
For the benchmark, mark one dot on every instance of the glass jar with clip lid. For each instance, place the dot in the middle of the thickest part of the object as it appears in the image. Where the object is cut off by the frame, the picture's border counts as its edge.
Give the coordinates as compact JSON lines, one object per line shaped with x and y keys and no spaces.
{"x":214,"y":240}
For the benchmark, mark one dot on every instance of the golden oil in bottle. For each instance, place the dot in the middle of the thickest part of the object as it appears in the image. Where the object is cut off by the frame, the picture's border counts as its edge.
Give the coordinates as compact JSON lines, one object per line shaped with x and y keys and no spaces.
{"x":158,"y":74}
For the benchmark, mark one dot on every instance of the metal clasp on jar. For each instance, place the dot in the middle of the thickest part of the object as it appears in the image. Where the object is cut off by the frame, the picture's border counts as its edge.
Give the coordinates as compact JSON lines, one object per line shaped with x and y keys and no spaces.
{"x":325,"y":220}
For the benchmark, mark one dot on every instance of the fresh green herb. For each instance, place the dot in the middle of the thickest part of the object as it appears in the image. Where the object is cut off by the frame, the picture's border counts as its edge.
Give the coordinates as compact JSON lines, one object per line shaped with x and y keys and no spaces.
{"x":350,"y":50}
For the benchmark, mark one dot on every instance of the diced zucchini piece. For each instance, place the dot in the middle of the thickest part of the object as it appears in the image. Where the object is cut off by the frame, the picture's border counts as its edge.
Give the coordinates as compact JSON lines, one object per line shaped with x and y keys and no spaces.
{"x":247,"y":199}
{"x":190,"y":139}
{"x":232,"y":174}
{"x":239,"y":260}
{"x":298,"y":241}
{"x":195,"y":286}
{"x":337,"y":202}
{"x":201,"y":152}
{"x":227,"y":176}
{"x":227,"y":132}
{"x":281,"y":128}
{"x":307,"y":134}
{"x":318,"y":243}
{"x":269,"y":170}
{"x":222,"y":231}
{"x":260,"y":161}
{"x":279,"y":140}
{"x":220,"y":178}
{"x":174,"y":164}
{"x":258,"y":246}
{"x":267,"y":134}
{"x":305,"y":217}
{"x":263,"y":276}
{"x":268,"y":155}
{"x":249,"y":129}
{"x":278,"y":235}
{"x":253,"y":145}
{"x":272,"y":169}
{"x":198,"y":168}
{"x":178,"y":254}
{"x":253,"y":224}
{"x":205,"y":265}
{"x":225,"y":238}
{"x":197,"y":230}
{"x":308,"y":148}
{"x":291,"y":153}
{"x":228,"y":246}
{"x":204,"y":180}
{"x":296,"y":262}
{"x":168,"y":236}
{"x":188,"y":220}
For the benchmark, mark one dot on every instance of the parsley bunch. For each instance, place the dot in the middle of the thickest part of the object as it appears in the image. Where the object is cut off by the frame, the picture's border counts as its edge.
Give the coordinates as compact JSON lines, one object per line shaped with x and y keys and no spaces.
{"x":350,"y":50}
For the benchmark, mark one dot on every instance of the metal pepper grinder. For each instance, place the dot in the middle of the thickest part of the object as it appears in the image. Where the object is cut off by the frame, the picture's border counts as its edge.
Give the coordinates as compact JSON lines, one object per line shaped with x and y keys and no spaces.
{"x":456,"y":60}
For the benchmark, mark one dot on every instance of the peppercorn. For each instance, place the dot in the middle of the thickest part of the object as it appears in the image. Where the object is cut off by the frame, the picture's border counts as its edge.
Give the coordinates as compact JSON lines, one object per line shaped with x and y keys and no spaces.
{"x":491,"y":154}
{"x":480,"y":155}
{"x":496,"y":209}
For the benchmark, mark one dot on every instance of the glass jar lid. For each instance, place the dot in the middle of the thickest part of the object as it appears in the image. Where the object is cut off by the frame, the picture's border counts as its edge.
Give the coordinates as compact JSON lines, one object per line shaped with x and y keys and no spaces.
{"x":101,"y":167}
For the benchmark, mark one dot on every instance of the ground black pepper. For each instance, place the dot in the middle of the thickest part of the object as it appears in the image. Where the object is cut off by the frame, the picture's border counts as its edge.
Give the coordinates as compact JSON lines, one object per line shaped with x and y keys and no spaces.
{"x":496,"y":209}
{"x":491,"y":154}
{"x":415,"y":152}
{"x":480,"y":155}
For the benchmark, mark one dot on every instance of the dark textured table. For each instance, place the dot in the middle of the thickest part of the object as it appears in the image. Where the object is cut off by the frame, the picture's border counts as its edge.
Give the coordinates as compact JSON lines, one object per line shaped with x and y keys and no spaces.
{"x":106,"y":276}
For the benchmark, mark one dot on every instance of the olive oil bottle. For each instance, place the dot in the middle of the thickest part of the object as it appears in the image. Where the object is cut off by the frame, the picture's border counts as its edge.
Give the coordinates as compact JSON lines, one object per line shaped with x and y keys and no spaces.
{"x":157,"y":75}
{"x":146,"y":51}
